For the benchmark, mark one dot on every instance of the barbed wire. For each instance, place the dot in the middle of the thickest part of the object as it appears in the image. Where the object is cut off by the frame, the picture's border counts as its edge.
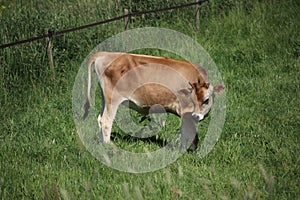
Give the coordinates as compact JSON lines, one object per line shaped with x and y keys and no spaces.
{"x":56,"y":33}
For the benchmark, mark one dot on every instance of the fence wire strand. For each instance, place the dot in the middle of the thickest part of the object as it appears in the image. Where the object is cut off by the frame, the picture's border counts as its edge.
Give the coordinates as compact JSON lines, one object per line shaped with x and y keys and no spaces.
{"x":61,"y":32}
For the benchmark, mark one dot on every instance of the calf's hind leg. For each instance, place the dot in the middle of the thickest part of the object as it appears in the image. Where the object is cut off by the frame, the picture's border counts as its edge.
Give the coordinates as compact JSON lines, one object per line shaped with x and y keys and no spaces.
{"x":106,"y":120}
{"x":105,"y":123}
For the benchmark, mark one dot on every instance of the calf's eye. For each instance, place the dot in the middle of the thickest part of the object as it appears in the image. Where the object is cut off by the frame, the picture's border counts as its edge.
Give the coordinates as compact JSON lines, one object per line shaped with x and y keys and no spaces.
{"x":205,"y":102}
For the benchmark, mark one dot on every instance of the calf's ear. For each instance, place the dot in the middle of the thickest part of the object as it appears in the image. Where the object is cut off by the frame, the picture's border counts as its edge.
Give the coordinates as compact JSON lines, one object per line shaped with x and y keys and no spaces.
{"x":219,"y":88}
{"x":186,"y":91}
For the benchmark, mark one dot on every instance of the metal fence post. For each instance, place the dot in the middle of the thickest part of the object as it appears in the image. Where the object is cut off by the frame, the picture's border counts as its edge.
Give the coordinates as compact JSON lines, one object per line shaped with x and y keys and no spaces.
{"x":49,"y":52}
{"x":126,"y":19}
{"x":197,"y":20}
{"x":126,"y":22}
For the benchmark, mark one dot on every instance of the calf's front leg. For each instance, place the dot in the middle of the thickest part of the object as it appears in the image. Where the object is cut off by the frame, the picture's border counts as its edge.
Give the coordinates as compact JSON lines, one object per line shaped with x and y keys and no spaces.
{"x":188,"y":131}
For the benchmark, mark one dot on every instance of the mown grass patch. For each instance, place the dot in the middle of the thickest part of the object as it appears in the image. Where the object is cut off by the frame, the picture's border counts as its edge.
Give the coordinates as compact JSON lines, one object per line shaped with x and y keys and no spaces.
{"x":256,"y":48}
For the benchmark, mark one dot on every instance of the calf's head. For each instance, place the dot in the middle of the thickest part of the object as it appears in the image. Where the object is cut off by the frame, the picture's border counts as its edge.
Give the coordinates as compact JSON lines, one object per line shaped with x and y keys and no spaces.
{"x":205,"y":93}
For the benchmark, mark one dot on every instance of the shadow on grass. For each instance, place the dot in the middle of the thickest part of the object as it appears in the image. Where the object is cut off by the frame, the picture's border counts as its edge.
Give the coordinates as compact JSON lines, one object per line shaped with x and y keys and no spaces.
{"x":131,"y":139}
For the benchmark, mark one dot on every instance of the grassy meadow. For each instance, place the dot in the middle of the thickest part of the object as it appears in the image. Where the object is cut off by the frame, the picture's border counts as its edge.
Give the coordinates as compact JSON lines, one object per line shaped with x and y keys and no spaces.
{"x":256,"y":46}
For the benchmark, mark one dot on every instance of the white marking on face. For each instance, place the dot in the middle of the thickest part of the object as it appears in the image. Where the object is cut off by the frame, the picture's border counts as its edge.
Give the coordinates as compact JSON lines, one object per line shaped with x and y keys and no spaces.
{"x":198,"y":117}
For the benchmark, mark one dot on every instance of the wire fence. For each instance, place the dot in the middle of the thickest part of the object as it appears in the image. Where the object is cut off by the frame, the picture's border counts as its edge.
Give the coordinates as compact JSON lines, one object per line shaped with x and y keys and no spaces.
{"x":50,"y":33}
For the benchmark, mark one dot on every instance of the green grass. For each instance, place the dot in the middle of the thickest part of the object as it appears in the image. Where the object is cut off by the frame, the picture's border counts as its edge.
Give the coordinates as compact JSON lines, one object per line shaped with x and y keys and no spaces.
{"x":256,"y":48}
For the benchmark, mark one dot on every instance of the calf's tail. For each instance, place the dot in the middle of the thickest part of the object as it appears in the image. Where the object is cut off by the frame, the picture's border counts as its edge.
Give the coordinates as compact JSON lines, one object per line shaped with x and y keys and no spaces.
{"x":87,"y":103}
